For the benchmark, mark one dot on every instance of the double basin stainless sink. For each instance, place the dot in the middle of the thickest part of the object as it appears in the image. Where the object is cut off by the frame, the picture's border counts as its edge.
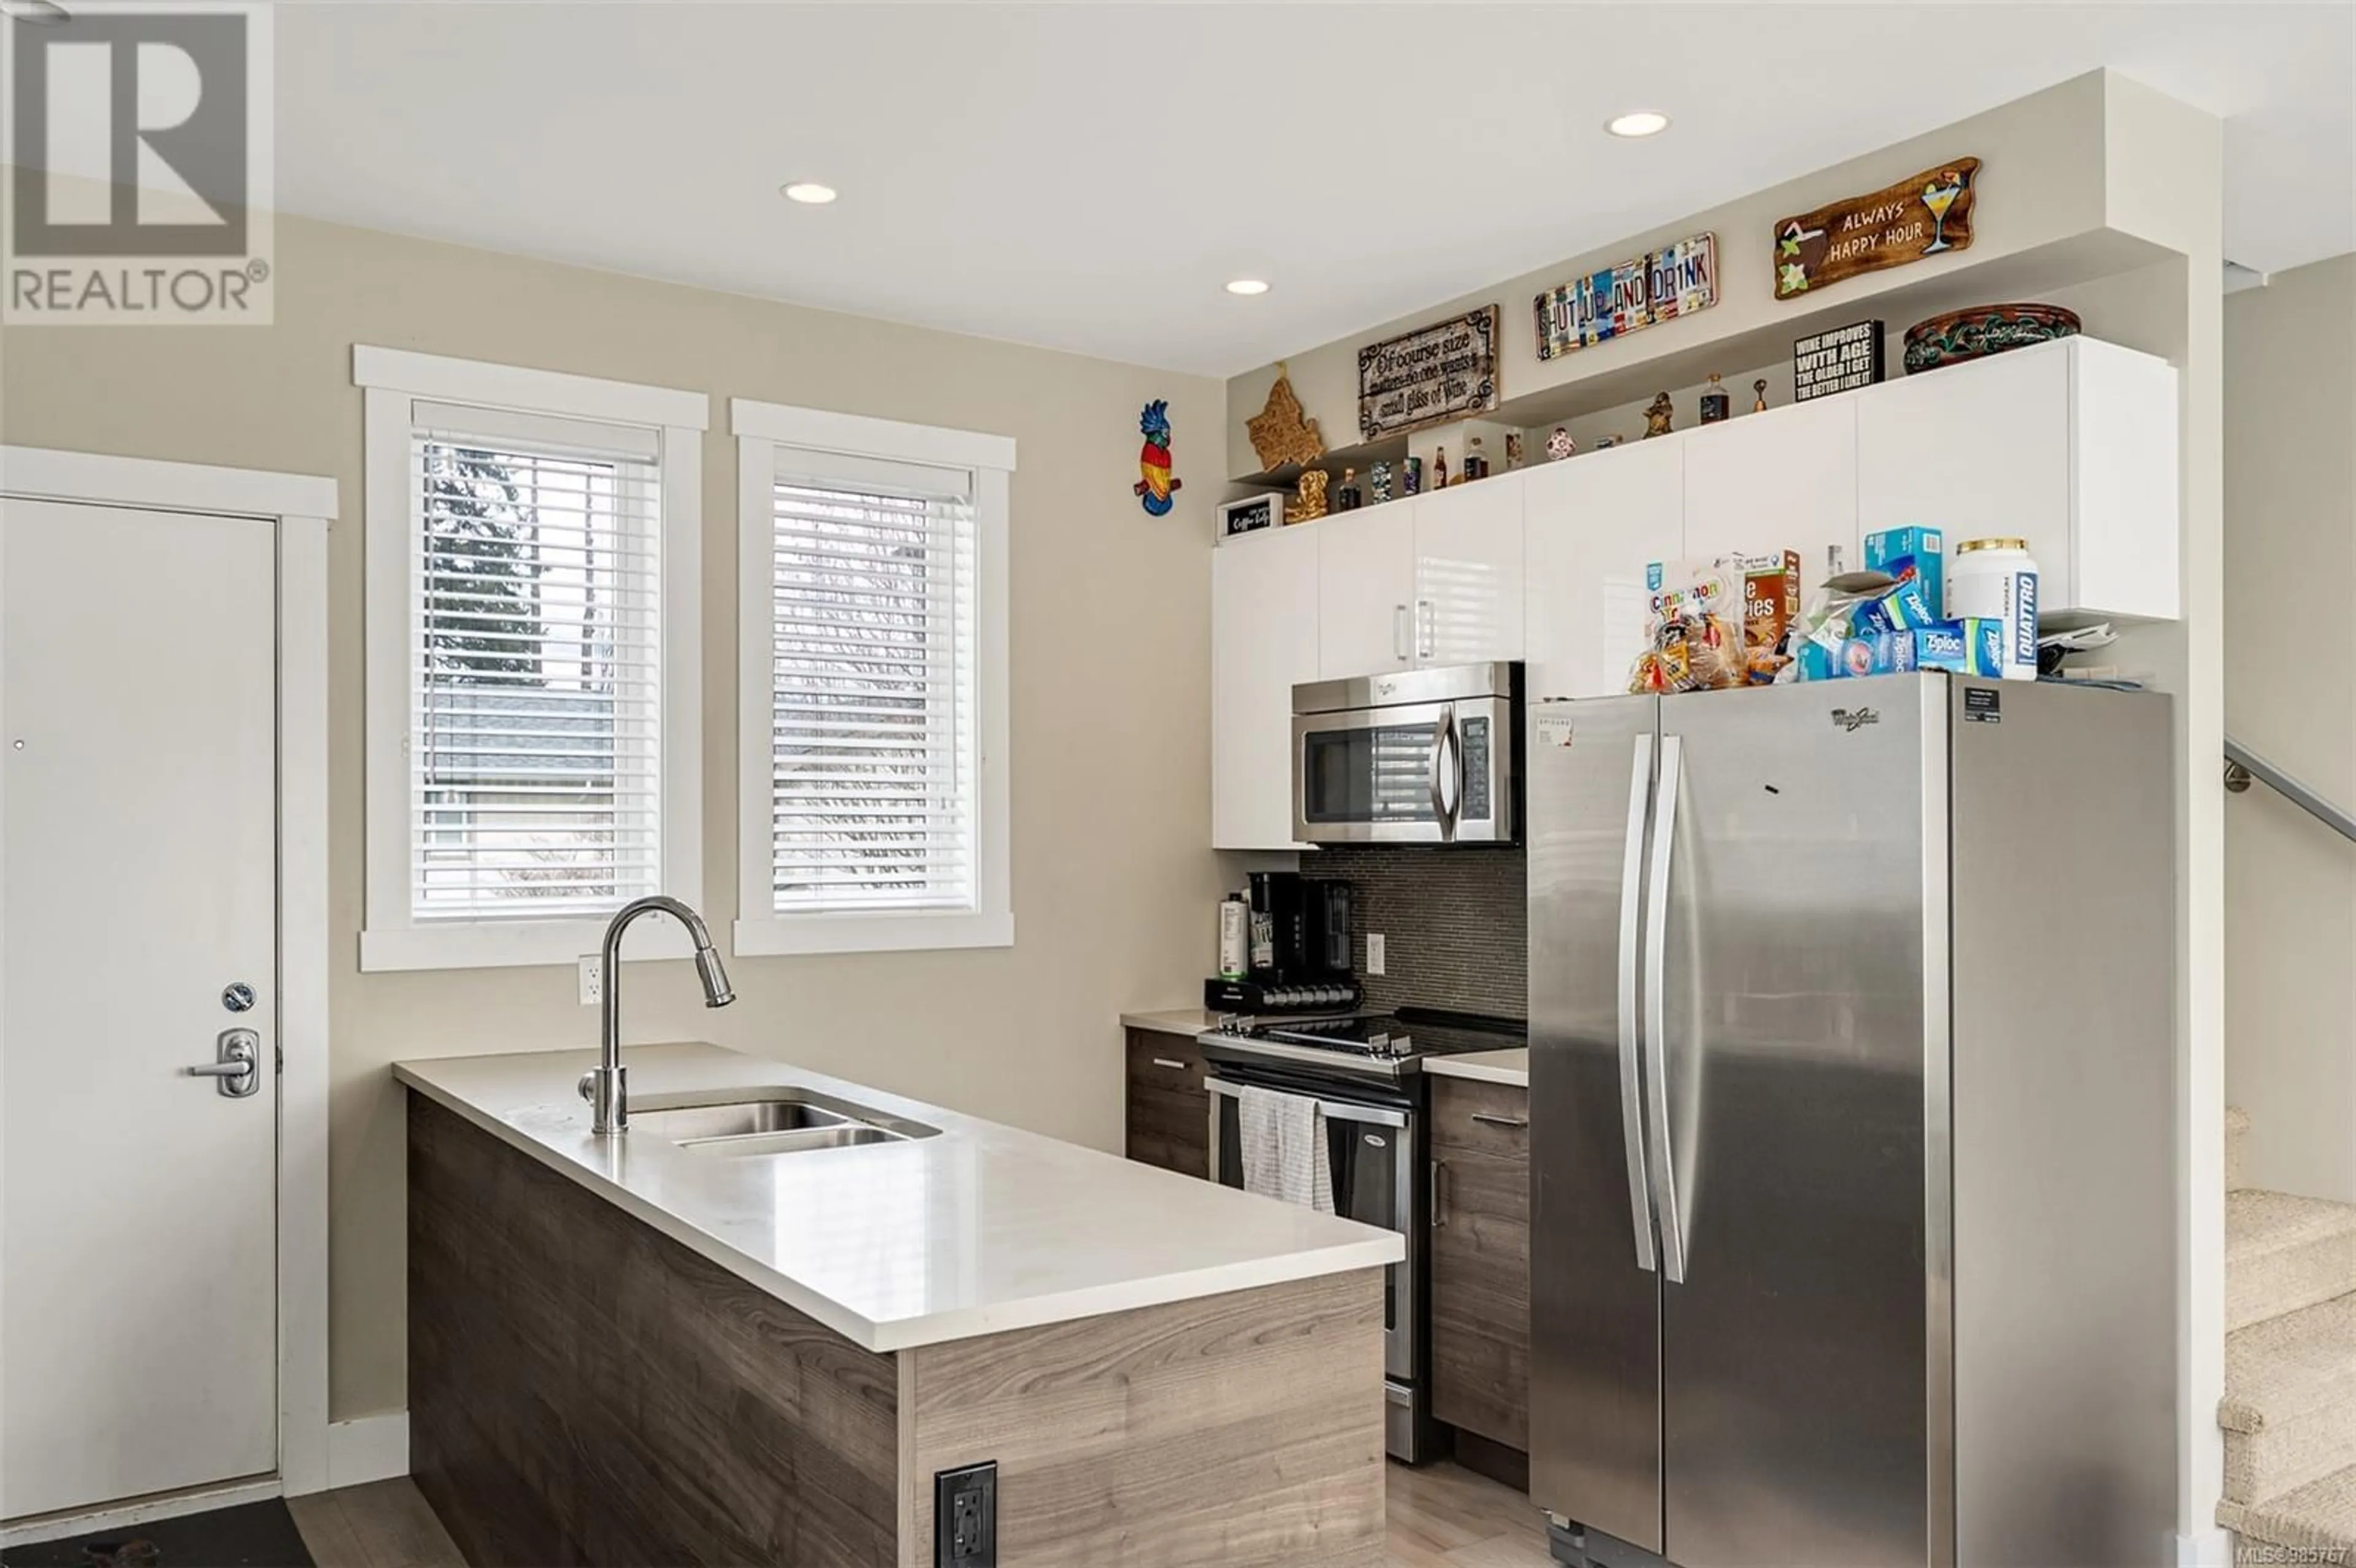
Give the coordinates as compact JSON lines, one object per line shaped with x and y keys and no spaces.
{"x":775,"y":1121}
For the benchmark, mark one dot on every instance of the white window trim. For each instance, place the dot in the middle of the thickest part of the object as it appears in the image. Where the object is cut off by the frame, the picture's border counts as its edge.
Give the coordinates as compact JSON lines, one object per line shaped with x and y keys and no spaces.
{"x":760,"y":429}
{"x":393,"y":380}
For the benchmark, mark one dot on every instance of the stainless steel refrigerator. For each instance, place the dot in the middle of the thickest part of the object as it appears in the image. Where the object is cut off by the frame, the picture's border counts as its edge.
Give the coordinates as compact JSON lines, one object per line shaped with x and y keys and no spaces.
{"x":1852,"y":1030}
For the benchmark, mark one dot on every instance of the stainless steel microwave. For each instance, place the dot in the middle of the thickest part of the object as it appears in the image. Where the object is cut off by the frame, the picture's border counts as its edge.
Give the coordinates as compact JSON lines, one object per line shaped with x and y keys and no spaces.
{"x":1424,"y":756}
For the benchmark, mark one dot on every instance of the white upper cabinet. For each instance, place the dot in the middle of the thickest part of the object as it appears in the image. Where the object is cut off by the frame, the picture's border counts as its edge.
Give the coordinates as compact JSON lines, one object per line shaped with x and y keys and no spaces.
{"x":1365,"y":590}
{"x":1785,"y":479}
{"x":1591,"y":526}
{"x":1468,"y":572}
{"x":1263,"y":639}
{"x":2070,"y":445}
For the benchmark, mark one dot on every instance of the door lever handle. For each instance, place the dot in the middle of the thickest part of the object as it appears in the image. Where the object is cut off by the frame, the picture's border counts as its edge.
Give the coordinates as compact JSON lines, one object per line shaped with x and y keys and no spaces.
{"x":238,"y":1071}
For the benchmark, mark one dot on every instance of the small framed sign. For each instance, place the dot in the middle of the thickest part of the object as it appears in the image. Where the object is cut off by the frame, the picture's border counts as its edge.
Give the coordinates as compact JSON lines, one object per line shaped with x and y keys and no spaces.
{"x":1265,"y":510}
{"x":1675,"y":280}
{"x":1837,"y":361}
{"x":1444,"y":371}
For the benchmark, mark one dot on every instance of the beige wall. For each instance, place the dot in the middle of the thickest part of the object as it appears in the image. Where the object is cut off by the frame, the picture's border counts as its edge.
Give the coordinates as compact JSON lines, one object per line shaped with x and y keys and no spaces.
{"x":1113,"y":887}
{"x":2290,"y":695}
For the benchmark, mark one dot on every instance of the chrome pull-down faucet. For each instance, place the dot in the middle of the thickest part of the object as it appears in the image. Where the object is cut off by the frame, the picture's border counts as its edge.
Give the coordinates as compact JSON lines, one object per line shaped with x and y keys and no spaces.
{"x":604,"y":1085}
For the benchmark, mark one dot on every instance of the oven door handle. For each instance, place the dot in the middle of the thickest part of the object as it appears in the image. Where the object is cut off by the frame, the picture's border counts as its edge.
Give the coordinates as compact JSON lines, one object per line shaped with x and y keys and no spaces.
{"x":1335,"y":1110}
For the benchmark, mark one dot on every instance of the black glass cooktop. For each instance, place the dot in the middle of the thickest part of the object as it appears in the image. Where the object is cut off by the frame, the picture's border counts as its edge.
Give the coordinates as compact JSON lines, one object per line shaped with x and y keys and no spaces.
{"x":1410,"y":1031}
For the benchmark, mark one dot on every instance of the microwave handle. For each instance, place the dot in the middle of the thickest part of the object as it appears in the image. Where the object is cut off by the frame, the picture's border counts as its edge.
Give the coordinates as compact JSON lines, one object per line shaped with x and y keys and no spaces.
{"x":1444,"y":746}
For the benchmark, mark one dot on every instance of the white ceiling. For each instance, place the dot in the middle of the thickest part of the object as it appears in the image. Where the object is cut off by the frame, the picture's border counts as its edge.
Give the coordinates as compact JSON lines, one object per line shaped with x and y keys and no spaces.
{"x":1087,"y":176}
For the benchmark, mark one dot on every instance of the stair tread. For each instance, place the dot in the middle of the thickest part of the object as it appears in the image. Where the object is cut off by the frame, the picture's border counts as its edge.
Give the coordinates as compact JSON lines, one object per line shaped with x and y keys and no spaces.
{"x":2289,"y":1365}
{"x":2320,"y":1515}
{"x":2258,"y":1222}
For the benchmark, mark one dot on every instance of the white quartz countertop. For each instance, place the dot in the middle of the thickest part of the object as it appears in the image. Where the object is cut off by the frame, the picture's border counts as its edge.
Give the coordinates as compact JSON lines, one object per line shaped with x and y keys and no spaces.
{"x":981,"y":1229}
{"x":1488,"y":1066}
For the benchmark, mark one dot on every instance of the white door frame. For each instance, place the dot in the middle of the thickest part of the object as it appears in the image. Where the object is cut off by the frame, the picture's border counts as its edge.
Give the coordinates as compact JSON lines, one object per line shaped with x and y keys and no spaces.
{"x":301,"y":506}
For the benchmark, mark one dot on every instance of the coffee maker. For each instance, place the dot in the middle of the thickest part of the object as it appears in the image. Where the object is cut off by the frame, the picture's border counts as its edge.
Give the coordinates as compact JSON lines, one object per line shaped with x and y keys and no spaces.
{"x":1299,"y":947}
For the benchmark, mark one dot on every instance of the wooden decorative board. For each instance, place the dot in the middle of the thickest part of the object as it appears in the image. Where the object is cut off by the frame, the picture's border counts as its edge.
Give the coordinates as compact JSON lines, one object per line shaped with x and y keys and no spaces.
{"x":1444,"y":371}
{"x":1924,"y":216}
{"x":1676,"y":280}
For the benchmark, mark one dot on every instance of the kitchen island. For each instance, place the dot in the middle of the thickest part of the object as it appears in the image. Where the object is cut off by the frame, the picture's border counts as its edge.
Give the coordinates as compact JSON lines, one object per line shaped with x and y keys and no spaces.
{"x":646,"y":1351}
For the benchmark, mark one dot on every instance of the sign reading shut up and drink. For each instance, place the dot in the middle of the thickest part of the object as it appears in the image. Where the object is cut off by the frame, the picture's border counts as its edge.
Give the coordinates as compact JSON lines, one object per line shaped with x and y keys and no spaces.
{"x":1444,"y":371}
{"x":1921,"y":216}
{"x":1660,"y":285}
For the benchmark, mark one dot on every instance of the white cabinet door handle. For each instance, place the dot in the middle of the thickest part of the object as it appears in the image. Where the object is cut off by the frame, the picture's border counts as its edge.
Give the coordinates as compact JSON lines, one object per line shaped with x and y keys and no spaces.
{"x":1399,"y":633}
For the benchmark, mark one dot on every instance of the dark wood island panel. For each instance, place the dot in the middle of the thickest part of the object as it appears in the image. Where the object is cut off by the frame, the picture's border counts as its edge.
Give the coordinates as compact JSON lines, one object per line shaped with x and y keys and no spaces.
{"x":584,"y":1390}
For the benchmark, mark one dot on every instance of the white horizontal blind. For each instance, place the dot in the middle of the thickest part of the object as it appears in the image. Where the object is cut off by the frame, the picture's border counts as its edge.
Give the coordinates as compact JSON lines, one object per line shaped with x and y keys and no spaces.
{"x":535,"y":738}
{"x":873,"y":735}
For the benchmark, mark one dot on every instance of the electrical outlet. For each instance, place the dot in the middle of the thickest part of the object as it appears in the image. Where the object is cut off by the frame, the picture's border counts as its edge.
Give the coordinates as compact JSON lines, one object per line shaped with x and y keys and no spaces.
{"x":1374,"y":952}
{"x":593,"y":979}
{"x":965,"y":1517}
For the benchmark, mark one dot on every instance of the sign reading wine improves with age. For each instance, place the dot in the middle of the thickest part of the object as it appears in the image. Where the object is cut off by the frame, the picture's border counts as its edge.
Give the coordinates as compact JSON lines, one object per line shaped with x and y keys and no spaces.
{"x":1444,"y":371}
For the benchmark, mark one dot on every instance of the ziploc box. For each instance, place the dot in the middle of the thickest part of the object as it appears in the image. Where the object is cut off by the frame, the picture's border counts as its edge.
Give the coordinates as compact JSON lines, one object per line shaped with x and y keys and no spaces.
{"x":1964,"y":647}
{"x":1902,"y":609}
{"x":1913,"y":554}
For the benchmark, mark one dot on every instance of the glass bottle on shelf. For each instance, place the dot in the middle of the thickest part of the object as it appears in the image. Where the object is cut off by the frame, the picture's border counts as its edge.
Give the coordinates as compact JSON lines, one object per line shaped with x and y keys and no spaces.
{"x":1346,"y":496}
{"x":1476,"y":462}
{"x":1439,"y":469}
{"x":1715,"y":404}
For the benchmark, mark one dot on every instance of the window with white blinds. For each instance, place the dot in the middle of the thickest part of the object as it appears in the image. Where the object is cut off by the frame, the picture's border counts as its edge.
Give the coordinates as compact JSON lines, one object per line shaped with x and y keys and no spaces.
{"x":535,"y":785}
{"x":873,"y":684}
{"x":534,"y":684}
{"x":874,"y":775}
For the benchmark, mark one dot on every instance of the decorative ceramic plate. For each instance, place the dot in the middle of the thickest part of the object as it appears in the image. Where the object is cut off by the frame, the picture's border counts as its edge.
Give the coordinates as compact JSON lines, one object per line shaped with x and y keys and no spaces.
{"x":1982,"y":330}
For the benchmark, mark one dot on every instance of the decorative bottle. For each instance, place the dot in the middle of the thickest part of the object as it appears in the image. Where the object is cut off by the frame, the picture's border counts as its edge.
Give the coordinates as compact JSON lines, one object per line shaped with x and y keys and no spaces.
{"x":1715,"y":404}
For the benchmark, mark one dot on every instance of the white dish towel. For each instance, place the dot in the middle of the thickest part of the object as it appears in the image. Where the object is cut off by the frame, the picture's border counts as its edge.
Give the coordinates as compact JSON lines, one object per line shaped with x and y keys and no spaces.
{"x":1284,"y":1152}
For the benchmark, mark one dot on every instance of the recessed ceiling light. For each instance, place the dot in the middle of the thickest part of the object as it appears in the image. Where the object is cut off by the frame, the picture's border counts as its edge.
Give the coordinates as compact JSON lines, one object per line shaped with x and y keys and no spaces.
{"x":1246,"y":286}
{"x":808,"y":192}
{"x":40,"y":13}
{"x":1643,"y":122}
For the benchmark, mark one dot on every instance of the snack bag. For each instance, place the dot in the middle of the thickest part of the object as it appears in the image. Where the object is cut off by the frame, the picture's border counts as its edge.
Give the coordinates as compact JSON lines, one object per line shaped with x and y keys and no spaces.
{"x":1696,"y":640}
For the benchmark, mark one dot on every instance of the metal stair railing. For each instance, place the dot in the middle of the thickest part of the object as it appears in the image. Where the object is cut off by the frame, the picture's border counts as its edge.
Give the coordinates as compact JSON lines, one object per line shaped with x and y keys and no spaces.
{"x":2243,"y":766}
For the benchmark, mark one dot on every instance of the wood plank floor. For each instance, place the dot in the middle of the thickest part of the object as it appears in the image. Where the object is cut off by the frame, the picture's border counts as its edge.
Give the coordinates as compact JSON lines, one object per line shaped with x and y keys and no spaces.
{"x":1440,"y":1517}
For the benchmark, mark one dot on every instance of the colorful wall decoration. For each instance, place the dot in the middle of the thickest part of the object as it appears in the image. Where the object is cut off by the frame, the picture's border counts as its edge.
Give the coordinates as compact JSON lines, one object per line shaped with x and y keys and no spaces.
{"x":1155,"y":490}
{"x":1660,"y":285}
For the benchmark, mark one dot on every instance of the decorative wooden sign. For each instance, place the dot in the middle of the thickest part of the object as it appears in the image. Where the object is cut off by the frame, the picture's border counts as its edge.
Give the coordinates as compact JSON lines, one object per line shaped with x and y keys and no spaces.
{"x":1444,"y":371}
{"x":1280,"y":432}
{"x":1836,"y":361}
{"x":1911,"y":219}
{"x":1659,"y":286}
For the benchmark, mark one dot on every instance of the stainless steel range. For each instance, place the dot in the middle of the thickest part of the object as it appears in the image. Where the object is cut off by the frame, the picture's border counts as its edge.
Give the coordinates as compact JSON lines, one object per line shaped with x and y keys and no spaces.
{"x":1366,"y":1073}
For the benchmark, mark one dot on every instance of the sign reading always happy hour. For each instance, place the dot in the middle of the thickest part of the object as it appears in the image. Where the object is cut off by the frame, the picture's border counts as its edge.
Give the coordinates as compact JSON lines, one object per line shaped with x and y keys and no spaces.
{"x":1444,"y":371}
{"x":1921,"y":216}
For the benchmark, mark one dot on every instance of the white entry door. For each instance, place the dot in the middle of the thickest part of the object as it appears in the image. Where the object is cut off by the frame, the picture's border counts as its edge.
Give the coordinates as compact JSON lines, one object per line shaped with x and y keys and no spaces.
{"x":138,"y":850}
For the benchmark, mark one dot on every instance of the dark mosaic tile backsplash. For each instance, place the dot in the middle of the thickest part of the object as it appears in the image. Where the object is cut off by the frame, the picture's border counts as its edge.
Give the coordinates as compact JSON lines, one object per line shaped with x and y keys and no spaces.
{"x":1455,"y":925}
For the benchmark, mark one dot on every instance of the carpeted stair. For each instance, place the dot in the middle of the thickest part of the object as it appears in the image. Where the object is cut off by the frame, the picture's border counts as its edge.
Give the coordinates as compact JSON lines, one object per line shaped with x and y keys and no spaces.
{"x":2290,"y":1410}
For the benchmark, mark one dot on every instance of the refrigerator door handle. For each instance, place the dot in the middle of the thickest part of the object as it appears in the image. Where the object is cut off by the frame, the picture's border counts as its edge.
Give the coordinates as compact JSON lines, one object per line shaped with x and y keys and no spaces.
{"x":1632,"y":1093}
{"x":1657,"y":940}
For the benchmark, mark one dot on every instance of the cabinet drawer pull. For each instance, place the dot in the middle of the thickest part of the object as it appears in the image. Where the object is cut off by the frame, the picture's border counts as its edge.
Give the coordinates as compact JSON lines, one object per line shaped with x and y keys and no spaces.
{"x":1490,"y":1118}
{"x":1174,"y":1066}
{"x":1438,"y":1194}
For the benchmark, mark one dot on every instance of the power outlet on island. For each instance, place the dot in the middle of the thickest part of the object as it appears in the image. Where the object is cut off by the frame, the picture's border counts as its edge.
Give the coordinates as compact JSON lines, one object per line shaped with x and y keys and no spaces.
{"x":1374,"y":952}
{"x":965,"y":1517}
{"x":593,"y":979}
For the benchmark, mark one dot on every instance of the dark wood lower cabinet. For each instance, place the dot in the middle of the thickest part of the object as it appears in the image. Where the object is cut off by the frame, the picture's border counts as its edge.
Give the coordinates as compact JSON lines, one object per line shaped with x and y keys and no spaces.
{"x":1480,"y":1260}
{"x":1169,"y":1110}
